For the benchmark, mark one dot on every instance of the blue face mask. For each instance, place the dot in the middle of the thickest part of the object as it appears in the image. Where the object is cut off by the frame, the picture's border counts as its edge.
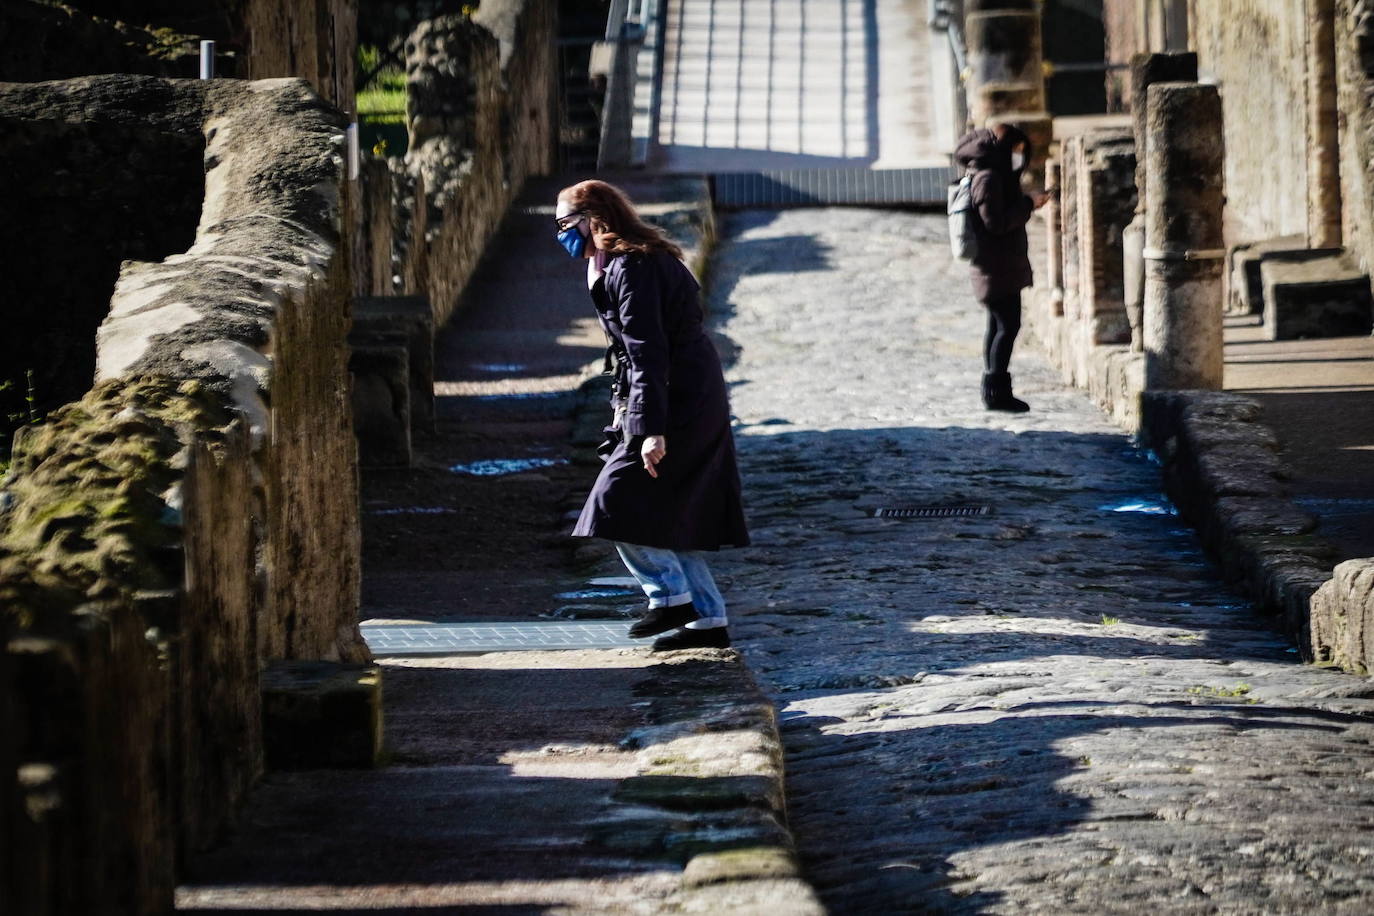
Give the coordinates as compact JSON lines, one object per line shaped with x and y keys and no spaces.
{"x":573,"y":241}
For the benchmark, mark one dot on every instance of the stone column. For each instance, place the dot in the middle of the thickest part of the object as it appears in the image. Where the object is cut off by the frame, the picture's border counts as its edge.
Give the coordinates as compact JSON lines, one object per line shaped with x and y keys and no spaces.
{"x":1184,"y":160}
{"x":1323,"y":135}
{"x":1006,"y":71}
{"x":1145,"y":69}
{"x":1054,"y":248}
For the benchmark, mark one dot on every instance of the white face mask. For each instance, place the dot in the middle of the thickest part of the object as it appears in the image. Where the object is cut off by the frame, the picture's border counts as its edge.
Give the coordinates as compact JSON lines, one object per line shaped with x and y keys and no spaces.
{"x":1018,"y":161}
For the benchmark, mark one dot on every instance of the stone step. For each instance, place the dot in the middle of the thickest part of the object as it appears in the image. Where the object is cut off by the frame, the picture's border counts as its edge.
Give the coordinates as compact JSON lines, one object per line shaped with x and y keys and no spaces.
{"x":1246,"y":295}
{"x":1319,"y":296}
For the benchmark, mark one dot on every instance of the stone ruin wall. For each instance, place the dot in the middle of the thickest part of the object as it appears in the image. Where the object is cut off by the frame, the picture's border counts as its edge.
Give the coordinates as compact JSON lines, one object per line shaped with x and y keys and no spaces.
{"x":191,"y":515}
{"x":481,"y":114}
{"x":1256,"y":51}
{"x":256,"y":39}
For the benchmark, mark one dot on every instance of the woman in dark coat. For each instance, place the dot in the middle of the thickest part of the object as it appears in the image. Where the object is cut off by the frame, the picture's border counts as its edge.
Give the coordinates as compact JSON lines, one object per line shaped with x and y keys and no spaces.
{"x":1001,"y":268}
{"x":670,"y":488}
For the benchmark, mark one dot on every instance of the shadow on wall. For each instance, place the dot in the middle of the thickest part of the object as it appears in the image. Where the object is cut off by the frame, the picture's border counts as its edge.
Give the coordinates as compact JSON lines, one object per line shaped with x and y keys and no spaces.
{"x":80,"y":198}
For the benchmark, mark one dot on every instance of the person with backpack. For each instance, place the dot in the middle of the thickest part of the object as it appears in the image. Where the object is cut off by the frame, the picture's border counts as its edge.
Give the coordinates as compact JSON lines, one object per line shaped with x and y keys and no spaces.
{"x":994,"y":159}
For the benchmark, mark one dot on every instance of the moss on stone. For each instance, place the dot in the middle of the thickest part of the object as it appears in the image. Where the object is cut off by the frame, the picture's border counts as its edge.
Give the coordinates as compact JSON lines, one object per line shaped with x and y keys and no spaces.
{"x":748,"y":864}
{"x":87,"y":513}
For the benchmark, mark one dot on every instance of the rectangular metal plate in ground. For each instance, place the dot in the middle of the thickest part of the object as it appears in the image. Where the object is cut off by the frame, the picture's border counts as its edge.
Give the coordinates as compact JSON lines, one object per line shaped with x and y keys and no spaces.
{"x":802,"y":187}
{"x":931,"y":511}
{"x":476,"y":638}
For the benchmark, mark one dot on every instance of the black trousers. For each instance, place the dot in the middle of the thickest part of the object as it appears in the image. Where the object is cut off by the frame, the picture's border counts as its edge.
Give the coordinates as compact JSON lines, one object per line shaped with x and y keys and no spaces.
{"x":1004,"y":323}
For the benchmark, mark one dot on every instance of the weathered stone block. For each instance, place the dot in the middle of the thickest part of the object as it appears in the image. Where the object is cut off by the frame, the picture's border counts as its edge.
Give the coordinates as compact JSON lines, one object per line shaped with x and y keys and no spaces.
{"x":411,"y":319}
{"x":1245,"y":290}
{"x":381,"y":402}
{"x":321,"y":714}
{"x":1343,"y":617}
{"x":1317,"y":297}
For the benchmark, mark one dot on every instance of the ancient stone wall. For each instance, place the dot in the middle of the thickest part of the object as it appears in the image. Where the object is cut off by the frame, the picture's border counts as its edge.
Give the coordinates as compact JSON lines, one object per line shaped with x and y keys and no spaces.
{"x":191,"y":516}
{"x":482,"y":118}
{"x":1256,"y":51}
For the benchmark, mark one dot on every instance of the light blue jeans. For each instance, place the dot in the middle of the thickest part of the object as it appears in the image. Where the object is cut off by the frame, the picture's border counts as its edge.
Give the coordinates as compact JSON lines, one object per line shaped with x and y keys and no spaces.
{"x":673,"y":577}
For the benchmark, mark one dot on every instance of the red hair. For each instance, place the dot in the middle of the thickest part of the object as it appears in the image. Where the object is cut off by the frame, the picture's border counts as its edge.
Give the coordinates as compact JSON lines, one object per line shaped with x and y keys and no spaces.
{"x":617,"y":228}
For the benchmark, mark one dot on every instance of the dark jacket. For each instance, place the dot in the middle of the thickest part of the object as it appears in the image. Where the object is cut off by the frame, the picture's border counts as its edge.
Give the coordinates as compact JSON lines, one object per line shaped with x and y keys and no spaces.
{"x":670,"y":381}
{"x":1002,"y":267}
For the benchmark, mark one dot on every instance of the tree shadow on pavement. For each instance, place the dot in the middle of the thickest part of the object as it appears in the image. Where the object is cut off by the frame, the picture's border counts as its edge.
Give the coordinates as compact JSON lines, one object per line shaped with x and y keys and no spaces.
{"x":935,"y":791}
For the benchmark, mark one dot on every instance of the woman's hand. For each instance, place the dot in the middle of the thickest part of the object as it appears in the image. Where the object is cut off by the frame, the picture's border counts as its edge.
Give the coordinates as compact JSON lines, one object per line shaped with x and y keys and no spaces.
{"x":652,"y":451}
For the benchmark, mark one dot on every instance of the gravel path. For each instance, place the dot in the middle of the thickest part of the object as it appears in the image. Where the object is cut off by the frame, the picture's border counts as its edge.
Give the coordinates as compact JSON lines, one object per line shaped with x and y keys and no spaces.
{"x":1054,"y":708}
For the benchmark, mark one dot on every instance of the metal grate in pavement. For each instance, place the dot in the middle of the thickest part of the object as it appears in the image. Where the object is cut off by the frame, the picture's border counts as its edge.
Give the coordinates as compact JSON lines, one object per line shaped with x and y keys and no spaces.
{"x":474,"y":638}
{"x":798,"y":187}
{"x":930,"y":511}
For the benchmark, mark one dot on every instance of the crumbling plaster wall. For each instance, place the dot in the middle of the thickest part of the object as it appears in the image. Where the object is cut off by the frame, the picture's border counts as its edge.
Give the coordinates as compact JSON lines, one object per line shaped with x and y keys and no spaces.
{"x":193,"y":514}
{"x":1256,"y":51}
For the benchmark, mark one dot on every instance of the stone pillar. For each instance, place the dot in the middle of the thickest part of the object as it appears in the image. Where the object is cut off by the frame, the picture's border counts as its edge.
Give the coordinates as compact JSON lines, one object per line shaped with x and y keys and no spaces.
{"x":1054,"y":248}
{"x":1184,"y":160}
{"x":1006,"y":70}
{"x":1145,"y":69}
{"x":1323,"y":135}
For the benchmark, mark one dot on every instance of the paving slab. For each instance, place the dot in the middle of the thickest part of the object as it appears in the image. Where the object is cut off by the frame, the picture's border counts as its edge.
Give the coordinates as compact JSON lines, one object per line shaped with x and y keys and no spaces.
{"x":1058,"y":707}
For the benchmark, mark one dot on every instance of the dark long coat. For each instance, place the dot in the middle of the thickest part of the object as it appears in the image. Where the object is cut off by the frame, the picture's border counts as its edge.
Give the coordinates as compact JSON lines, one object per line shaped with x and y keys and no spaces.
{"x":670,"y":383}
{"x":1002,"y":266}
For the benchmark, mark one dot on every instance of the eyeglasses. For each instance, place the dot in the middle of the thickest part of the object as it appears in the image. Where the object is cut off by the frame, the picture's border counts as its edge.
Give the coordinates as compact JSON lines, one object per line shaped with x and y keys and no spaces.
{"x":565,"y":223}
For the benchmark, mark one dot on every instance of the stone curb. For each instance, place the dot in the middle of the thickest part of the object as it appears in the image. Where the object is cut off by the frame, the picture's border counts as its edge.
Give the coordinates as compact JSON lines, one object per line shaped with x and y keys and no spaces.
{"x":710,"y":786}
{"x":1223,"y":470}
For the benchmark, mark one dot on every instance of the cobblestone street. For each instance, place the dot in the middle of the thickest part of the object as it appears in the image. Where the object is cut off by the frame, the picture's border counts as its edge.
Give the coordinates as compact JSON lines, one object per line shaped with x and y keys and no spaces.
{"x":1056,"y":707}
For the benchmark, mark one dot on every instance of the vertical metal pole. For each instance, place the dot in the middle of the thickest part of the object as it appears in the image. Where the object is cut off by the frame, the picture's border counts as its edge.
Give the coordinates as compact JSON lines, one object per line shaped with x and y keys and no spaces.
{"x":354,"y":155}
{"x":207,"y":60}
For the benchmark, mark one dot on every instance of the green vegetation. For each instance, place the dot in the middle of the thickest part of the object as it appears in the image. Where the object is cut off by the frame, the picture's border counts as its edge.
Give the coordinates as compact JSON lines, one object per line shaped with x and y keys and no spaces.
{"x":381,"y":102}
{"x":384,"y":92}
{"x":1110,"y":621}
{"x":1203,"y":690}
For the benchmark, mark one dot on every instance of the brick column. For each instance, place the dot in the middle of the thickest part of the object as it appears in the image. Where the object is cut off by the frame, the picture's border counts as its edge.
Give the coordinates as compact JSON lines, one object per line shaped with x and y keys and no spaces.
{"x":1184,"y":159}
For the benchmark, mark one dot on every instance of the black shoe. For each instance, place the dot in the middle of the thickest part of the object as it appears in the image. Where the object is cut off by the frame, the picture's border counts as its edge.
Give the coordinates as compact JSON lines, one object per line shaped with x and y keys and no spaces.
{"x":714,"y":638}
{"x":662,"y":619}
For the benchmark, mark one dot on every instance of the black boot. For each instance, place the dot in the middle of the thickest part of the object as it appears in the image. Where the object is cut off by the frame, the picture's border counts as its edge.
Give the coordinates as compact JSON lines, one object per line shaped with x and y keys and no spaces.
{"x":997,"y":393}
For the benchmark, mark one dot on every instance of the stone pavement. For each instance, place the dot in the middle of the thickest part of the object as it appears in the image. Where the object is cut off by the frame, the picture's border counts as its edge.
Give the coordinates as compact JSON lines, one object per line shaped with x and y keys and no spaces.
{"x":1054,"y":708}
{"x":1318,"y":397}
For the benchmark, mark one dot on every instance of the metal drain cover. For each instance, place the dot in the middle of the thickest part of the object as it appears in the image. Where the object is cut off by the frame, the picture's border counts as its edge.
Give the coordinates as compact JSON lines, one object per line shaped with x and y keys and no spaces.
{"x":930,"y":511}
